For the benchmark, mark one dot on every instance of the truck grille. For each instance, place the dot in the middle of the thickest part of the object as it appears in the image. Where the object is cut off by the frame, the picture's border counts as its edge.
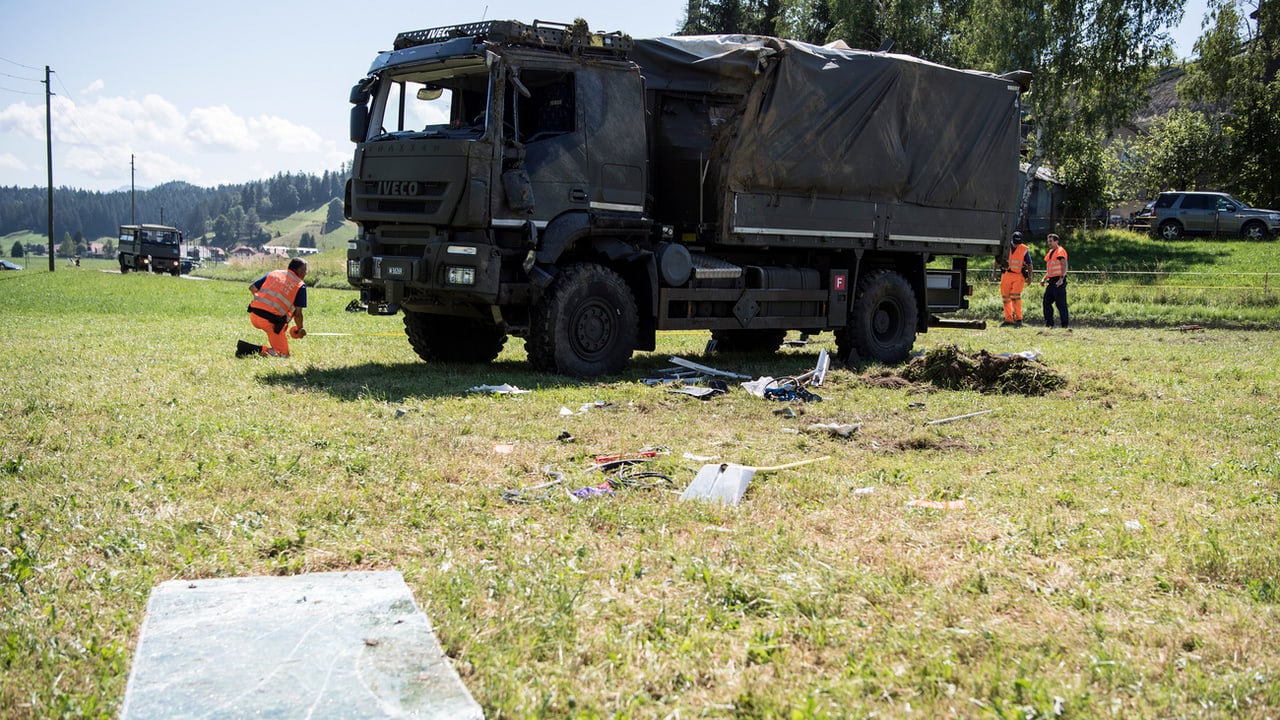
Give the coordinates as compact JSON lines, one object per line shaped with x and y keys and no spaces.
{"x":402,"y":197}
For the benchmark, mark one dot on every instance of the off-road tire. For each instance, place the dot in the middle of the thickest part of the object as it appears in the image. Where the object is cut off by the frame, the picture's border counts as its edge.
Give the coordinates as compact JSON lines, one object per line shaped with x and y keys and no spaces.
{"x":882,"y":321}
{"x":585,"y":325}
{"x":1171,"y":230}
{"x":444,"y":338}
{"x":748,"y":341}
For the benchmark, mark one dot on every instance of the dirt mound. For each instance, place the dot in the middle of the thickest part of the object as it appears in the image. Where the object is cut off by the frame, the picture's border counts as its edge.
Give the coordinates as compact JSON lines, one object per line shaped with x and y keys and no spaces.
{"x":949,"y":368}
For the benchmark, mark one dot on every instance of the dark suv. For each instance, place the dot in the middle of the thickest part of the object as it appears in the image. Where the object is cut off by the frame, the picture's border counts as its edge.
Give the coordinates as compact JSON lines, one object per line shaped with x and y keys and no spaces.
{"x":1176,"y":214}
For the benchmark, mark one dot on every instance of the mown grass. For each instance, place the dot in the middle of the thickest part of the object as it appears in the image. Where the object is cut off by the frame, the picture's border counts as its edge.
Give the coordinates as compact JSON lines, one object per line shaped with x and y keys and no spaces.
{"x":1117,"y":554}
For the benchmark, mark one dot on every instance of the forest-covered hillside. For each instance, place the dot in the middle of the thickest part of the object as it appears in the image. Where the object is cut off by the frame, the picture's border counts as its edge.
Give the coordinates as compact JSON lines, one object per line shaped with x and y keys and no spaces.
{"x":228,"y":214}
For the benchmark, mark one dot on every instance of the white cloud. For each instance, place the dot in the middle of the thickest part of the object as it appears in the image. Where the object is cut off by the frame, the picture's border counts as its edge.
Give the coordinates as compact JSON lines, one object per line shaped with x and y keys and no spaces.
{"x":94,"y":86}
{"x":10,"y":161}
{"x":25,"y":120}
{"x":220,"y":128}
{"x":285,"y":136}
{"x":120,"y":121}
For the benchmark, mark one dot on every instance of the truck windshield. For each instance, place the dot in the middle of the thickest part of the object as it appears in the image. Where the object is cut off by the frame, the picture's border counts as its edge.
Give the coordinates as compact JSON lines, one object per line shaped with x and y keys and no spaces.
{"x":160,"y":237}
{"x":444,"y":100}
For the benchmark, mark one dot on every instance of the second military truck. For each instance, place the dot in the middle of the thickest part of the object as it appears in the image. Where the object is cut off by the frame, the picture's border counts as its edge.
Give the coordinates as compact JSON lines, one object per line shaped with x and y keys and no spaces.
{"x":584,"y":190}
{"x":154,"y":248}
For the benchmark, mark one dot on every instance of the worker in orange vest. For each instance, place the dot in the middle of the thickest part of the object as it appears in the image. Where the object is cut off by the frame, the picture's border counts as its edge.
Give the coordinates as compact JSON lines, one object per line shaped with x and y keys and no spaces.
{"x":1055,"y":282}
{"x":278,"y":296}
{"x":1017,"y":271}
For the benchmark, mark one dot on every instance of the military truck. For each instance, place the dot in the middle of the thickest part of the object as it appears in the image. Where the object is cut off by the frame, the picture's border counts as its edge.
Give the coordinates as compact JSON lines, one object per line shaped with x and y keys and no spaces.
{"x":155,"y":248}
{"x":584,"y":190}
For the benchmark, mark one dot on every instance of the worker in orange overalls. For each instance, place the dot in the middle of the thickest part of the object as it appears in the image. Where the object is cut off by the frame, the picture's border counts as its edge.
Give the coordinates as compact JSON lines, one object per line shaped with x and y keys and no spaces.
{"x":1016,"y":272}
{"x":277,"y":296}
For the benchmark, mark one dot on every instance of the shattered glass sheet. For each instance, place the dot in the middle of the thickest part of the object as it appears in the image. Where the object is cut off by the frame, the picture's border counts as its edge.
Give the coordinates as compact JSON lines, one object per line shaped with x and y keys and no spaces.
{"x":326,"y":645}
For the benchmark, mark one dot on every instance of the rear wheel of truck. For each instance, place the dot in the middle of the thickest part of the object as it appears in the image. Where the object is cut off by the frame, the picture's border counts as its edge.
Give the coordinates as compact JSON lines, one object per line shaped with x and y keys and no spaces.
{"x":882,"y":322}
{"x":747,"y":341}
{"x":444,"y":338}
{"x":586,"y":324}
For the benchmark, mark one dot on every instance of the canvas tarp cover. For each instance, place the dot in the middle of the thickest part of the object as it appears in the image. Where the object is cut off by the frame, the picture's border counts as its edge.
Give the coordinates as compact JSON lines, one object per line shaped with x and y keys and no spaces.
{"x":846,"y":123}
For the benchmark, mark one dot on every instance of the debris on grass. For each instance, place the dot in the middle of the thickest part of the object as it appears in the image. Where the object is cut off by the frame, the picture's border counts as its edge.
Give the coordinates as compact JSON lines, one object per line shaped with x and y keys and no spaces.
{"x":844,"y":430}
{"x":949,"y":368}
{"x":937,"y":504}
{"x":503,"y":389}
{"x":943,"y":421}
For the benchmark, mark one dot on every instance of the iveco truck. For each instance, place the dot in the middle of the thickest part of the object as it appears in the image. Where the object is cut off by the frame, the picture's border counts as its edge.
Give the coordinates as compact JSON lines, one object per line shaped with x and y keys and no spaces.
{"x":584,"y":190}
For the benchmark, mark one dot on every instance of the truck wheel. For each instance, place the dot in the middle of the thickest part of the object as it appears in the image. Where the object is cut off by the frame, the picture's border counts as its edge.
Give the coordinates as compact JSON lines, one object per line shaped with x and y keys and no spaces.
{"x":744,"y":341}
{"x":124,"y":269}
{"x":444,"y":338}
{"x":1170,"y":230}
{"x":882,"y":322}
{"x":586,"y":324}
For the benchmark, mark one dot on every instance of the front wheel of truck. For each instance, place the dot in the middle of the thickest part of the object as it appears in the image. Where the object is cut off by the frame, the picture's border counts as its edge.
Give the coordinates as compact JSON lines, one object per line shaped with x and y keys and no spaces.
{"x":444,"y":338}
{"x":882,"y":322}
{"x":585,"y":325}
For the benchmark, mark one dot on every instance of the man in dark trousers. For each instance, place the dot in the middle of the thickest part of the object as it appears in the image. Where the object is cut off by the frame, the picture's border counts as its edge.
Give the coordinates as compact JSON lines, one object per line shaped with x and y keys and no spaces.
{"x":1055,"y":283}
{"x":277,"y":296}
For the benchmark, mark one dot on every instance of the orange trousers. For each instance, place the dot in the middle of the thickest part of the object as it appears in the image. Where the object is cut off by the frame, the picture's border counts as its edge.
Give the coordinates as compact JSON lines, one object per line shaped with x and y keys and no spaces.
{"x":279,"y":340}
{"x":1011,"y":284}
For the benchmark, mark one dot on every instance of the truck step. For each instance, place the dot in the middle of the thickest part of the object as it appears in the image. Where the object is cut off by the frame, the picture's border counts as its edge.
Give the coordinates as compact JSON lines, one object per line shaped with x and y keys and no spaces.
{"x":706,"y":267}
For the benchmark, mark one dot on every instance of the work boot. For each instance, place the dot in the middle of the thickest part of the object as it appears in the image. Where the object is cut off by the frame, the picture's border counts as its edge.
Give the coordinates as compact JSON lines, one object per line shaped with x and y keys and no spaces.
{"x":1017,"y":323}
{"x":244,"y":349}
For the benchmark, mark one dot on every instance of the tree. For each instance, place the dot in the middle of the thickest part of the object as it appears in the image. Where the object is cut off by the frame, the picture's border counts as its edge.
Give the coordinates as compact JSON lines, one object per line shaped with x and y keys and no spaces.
{"x":17,"y":250}
{"x":306,"y":241}
{"x":1084,"y":172}
{"x":334,"y":217}
{"x":1182,"y":151}
{"x":67,"y":247}
{"x":1236,"y":78}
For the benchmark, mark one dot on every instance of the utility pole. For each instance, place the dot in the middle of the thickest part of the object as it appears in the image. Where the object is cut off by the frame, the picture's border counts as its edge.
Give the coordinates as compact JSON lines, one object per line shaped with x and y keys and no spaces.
{"x":132,"y":221}
{"x":48,"y":135}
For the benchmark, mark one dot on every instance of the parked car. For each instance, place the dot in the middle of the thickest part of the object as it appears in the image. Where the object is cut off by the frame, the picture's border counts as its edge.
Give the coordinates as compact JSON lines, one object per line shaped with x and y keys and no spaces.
{"x":1176,"y":214}
{"x":1141,"y":221}
{"x":6,"y":265}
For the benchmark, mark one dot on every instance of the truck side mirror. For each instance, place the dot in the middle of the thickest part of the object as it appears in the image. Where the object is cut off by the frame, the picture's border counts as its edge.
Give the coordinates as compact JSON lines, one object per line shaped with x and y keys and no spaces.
{"x":359,"y":123}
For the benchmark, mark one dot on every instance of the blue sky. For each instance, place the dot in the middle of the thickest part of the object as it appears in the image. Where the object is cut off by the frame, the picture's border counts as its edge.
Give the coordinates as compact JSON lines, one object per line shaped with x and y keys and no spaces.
{"x":229,"y":91}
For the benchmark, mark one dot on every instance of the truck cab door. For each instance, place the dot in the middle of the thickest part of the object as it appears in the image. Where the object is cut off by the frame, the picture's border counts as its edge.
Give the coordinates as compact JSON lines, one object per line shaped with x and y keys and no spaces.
{"x":551,"y":177}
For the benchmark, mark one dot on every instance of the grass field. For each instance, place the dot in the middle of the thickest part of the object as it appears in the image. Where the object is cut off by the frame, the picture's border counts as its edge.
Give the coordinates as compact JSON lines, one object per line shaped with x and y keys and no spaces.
{"x":1116,"y":552}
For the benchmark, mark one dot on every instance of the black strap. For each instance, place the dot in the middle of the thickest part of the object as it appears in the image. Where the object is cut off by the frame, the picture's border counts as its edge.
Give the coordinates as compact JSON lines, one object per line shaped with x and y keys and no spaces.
{"x":277,"y":321}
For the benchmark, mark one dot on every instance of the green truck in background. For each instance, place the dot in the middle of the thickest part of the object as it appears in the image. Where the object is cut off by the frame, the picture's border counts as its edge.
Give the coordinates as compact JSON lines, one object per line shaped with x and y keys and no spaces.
{"x":154,"y":248}
{"x":583,"y":190}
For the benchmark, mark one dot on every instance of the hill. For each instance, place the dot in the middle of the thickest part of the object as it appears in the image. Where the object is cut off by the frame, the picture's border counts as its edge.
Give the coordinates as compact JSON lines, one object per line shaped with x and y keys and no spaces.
{"x":235,"y":214}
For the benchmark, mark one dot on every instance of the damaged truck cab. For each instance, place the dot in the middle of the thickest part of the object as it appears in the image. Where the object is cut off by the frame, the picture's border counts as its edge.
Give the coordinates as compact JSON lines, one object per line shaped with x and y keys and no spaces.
{"x":583,"y":190}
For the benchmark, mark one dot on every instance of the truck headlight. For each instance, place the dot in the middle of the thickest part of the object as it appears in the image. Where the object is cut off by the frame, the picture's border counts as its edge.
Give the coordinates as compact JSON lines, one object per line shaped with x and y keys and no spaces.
{"x":462,"y":276}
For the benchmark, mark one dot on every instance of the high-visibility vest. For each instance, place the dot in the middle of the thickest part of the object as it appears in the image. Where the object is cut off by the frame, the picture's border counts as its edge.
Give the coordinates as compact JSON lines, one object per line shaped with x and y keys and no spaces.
{"x":1017,"y":255}
{"x":277,"y":293}
{"x":1055,"y":263}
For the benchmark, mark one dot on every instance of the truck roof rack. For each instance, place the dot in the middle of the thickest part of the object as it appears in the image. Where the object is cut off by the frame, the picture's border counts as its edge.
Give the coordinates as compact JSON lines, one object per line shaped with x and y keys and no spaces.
{"x":572,"y":38}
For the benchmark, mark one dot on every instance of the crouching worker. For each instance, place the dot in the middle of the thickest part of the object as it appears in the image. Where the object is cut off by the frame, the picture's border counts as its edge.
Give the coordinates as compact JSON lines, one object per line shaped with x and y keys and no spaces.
{"x":277,"y":296}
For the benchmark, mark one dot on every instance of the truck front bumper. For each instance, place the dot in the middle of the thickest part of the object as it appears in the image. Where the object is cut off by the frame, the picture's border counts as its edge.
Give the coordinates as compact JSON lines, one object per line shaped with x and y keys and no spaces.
{"x":445,"y":273}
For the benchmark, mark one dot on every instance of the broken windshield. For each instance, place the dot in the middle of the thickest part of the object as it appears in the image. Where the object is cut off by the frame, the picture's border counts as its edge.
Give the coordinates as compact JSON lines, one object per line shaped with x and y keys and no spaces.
{"x":447,"y":99}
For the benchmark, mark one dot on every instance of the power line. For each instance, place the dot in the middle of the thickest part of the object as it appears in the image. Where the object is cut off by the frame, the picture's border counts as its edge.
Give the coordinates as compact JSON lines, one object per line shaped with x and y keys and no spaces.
{"x":18,"y":77}
{"x":20,"y":92}
{"x":13,"y":62}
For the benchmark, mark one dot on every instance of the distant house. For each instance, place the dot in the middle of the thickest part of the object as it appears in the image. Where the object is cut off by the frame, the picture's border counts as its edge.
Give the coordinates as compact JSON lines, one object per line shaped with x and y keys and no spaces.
{"x":286,"y":251}
{"x":243,"y":252}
